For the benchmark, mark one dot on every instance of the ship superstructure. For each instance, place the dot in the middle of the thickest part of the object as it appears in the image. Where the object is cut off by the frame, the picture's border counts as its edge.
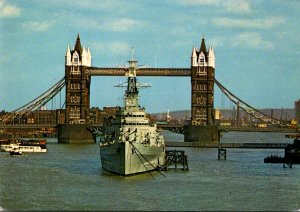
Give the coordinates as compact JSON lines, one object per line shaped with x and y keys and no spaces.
{"x":130,"y":144}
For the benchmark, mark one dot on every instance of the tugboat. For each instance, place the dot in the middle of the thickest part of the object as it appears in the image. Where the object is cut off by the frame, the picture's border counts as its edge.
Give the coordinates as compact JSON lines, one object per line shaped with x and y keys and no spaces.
{"x":130,"y":144}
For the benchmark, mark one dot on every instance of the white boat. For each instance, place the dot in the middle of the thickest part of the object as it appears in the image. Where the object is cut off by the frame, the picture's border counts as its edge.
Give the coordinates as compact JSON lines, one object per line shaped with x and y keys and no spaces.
{"x":25,"y":146}
{"x":130,"y":144}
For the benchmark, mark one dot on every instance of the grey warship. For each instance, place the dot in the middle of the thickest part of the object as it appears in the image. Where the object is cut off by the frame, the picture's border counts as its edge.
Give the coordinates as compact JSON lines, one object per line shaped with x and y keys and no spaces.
{"x":130,"y":143}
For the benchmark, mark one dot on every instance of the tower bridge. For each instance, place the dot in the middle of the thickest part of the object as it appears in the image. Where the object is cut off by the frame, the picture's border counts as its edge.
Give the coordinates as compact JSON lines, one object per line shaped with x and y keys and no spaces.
{"x":79,"y":70}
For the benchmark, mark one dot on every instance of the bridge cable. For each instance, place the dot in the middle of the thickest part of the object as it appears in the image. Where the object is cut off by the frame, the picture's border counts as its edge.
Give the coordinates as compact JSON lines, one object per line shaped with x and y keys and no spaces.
{"x":237,"y":100}
{"x":37,"y":102}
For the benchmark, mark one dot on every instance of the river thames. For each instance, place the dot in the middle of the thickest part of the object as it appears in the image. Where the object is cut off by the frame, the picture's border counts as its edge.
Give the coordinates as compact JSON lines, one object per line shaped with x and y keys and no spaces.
{"x":69,"y":177}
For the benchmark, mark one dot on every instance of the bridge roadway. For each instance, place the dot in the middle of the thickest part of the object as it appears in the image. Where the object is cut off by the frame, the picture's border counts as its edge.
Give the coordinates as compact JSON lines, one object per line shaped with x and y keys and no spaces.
{"x":180,"y":72}
{"x":171,"y":127}
{"x":27,"y":126}
{"x":258,"y":129}
{"x":178,"y":128}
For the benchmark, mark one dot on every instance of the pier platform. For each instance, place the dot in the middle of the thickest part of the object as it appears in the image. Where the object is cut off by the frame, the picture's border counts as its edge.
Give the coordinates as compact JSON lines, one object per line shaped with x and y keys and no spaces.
{"x":227,"y":145}
{"x":176,"y":159}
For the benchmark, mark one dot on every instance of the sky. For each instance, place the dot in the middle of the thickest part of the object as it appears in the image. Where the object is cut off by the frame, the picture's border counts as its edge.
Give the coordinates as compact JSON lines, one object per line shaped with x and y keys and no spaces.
{"x":256,"y":45}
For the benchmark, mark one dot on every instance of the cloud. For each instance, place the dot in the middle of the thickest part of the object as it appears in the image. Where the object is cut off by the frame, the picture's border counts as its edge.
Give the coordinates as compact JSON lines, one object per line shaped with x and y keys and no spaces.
{"x":115,"y":25}
{"x":96,"y":5}
{"x":9,"y":11}
{"x":217,"y":41}
{"x":180,"y":31}
{"x":37,"y":26}
{"x":235,"y":6}
{"x":248,"y":23}
{"x":116,"y":48}
{"x":246,"y":40}
{"x":119,"y":48}
{"x":120,"y":25}
{"x":251,"y":40}
{"x":199,"y":2}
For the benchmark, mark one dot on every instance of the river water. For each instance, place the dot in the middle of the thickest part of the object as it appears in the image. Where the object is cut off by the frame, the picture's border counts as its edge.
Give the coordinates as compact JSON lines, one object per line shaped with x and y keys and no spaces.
{"x":69,"y":177}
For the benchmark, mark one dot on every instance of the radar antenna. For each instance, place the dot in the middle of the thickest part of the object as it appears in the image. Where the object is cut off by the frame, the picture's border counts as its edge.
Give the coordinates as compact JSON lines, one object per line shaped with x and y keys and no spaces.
{"x":131,"y":73}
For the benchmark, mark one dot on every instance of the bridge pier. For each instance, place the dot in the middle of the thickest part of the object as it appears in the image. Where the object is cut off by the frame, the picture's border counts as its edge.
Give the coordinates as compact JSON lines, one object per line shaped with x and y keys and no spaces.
{"x":221,"y":154}
{"x":75,"y":134}
{"x":205,"y":134}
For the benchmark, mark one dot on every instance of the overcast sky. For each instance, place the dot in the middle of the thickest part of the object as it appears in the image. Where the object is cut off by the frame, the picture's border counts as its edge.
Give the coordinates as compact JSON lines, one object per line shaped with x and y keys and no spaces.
{"x":256,"y":45}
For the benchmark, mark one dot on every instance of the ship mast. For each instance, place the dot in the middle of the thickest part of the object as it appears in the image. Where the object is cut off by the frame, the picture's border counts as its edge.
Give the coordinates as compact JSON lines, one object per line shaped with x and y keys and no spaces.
{"x":131,"y":94}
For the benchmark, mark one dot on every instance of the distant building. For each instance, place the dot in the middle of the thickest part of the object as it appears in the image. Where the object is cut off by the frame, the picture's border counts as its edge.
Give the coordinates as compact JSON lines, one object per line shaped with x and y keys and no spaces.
{"x":97,"y":116}
{"x":217,"y":113}
{"x":225,"y":123}
{"x":111,"y":110}
{"x":297,"y":109}
{"x":41,"y":116}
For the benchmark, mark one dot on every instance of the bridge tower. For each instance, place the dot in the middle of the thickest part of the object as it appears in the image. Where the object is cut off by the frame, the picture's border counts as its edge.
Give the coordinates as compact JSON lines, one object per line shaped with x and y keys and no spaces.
{"x":75,"y":129}
{"x":202,"y":127}
{"x":77,"y":84}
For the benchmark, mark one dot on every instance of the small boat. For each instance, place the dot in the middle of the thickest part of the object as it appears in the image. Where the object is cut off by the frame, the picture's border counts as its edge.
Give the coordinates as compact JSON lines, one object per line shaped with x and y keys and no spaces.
{"x":25,"y":146}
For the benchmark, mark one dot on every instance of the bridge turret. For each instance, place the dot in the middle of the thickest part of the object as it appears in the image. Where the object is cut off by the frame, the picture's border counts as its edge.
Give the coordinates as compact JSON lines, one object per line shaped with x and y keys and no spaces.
{"x":68,"y":57}
{"x":194,"y":57}
{"x":89,"y":57}
{"x":86,"y":57}
{"x":211,"y":57}
{"x":83,"y":56}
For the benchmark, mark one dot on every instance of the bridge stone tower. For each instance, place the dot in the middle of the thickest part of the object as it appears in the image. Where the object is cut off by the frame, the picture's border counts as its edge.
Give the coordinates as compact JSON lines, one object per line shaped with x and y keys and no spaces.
{"x":202,"y":127}
{"x":77,"y":84}
{"x":75,"y":129}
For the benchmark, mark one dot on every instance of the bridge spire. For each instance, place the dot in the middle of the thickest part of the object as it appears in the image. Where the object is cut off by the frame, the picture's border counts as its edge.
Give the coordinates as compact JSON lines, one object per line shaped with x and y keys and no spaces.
{"x":77,"y":46}
{"x":194,"y":57}
{"x":203,"y":47}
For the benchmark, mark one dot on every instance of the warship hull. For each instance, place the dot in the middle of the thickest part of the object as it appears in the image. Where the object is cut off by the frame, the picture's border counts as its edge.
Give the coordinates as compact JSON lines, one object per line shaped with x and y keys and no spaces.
{"x":127,"y":158}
